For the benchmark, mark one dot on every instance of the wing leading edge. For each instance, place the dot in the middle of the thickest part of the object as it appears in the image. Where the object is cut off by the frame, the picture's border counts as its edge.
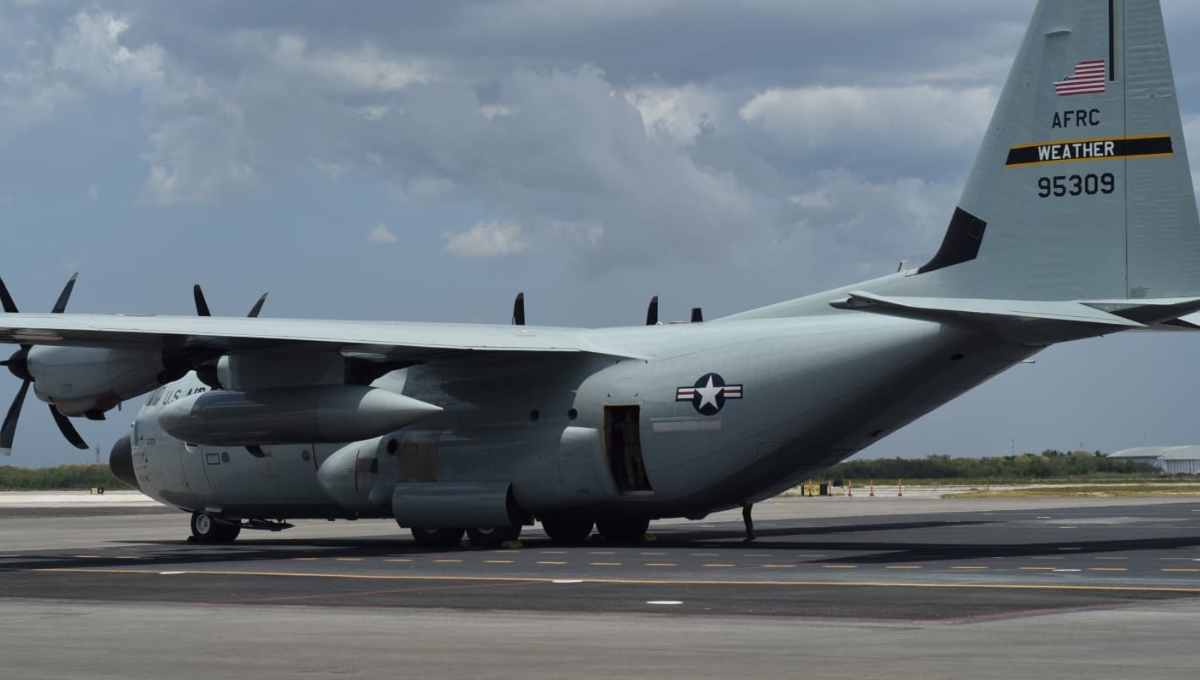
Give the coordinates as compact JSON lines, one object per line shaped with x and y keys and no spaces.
{"x":385,"y":340}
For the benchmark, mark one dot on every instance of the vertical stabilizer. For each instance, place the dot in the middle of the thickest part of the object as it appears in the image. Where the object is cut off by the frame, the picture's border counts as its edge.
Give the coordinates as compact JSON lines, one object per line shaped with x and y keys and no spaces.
{"x":1082,"y":188}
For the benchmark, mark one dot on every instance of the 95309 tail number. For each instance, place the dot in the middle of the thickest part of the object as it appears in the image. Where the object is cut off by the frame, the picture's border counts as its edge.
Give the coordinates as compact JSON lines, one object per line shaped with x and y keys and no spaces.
{"x":1076,"y":185}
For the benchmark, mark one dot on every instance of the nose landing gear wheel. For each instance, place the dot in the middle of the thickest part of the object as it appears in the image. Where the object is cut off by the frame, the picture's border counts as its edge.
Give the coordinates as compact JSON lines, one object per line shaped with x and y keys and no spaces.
{"x":437,"y":538}
{"x":567,"y":528}
{"x":208,"y":529}
{"x":623,"y":529}
{"x":492,"y":537}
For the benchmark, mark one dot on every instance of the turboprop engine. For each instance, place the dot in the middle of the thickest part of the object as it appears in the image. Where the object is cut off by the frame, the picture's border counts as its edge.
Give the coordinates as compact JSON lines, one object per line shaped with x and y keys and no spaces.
{"x":86,"y":380}
{"x":290,"y":415}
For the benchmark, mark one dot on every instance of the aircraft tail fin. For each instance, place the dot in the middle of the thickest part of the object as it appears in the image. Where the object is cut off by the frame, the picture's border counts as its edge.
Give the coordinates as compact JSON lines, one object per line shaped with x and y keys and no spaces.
{"x":1082,"y":188}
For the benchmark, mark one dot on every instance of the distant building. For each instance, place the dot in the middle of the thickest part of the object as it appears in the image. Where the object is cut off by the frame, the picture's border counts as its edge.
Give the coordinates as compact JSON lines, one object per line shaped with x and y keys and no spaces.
{"x":1172,"y":460}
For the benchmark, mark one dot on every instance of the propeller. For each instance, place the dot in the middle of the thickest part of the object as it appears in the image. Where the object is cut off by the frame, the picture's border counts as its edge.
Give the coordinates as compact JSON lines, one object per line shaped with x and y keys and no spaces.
{"x":18,"y":365}
{"x":206,"y":368}
{"x":202,"y":303}
{"x":652,"y":312}
{"x":518,"y":317}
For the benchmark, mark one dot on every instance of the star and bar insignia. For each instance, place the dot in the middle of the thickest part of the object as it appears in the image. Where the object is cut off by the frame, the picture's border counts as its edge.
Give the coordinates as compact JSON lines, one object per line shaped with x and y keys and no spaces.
{"x":709,"y":393}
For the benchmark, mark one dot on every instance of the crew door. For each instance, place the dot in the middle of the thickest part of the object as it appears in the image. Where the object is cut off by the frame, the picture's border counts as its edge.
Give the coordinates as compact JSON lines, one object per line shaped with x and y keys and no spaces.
{"x":623,"y":448}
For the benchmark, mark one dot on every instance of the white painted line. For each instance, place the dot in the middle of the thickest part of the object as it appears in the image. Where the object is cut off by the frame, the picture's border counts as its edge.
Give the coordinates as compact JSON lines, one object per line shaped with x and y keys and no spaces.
{"x":665,"y":602}
{"x":1070,"y":548}
{"x":1066,"y":570}
{"x":1068,"y":527}
{"x":566,"y":580}
{"x":1046,"y":517}
{"x":171,"y":573}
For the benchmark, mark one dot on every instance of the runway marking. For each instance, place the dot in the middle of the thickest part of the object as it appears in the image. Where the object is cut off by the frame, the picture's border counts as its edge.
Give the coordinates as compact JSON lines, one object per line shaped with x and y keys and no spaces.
{"x":497,"y":561}
{"x":665,"y":602}
{"x":605,"y":564}
{"x":704,"y":554}
{"x":1036,"y":568}
{"x":171,"y":573}
{"x":840,"y":566}
{"x":777,"y":566}
{"x":652,"y":554}
{"x":566,"y":581}
{"x":448,"y":561}
{"x":1190,"y":590}
{"x":602,"y":552}
{"x":127,"y":557}
{"x":1108,"y":569}
{"x":349,"y":559}
{"x":1179,"y":570}
{"x":1071,"y":571}
{"x":553,"y":552}
{"x":969,"y":568}
{"x":87,"y":557}
{"x":390,"y":559}
{"x":672,"y":564}
{"x":305,"y":559}
{"x":1112,"y":558}
{"x":1048,"y":557}
{"x":719,"y":566}
{"x":556,"y":563}
{"x":901,"y":566}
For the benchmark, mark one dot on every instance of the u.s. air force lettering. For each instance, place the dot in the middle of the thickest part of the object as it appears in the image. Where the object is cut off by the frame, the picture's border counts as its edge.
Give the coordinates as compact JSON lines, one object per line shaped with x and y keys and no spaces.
{"x":709,"y":393}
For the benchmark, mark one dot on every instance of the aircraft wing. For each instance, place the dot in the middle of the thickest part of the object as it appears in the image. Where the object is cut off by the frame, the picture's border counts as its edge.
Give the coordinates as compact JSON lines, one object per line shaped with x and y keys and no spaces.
{"x":368,"y":339}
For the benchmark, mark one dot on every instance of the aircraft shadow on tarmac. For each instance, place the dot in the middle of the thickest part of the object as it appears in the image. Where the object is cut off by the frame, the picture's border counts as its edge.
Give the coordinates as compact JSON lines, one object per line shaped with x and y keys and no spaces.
{"x":778,"y":540}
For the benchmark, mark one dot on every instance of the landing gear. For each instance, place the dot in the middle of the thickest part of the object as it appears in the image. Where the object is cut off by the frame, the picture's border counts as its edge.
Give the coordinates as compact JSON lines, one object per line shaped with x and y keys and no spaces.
{"x":492,"y":537}
{"x":208,"y":529}
{"x":437,"y":538}
{"x":567,"y":528}
{"x":623,"y":529}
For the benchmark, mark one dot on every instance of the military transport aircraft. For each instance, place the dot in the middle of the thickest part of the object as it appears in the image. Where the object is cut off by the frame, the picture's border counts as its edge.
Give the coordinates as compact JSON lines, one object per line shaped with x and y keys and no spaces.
{"x":1078,"y":220}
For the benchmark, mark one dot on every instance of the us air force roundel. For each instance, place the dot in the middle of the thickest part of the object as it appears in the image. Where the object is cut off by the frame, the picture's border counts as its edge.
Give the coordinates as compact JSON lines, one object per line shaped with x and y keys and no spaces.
{"x":709,"y":393}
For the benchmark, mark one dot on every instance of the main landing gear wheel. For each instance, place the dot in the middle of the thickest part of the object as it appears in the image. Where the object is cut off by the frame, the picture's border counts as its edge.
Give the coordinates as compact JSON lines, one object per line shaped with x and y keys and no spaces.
{"x":208,"y":529}
{"x":492,"y":537}
{"x":568,"y":528}
{"x":623,"y":529}
{"x":437,"y":538}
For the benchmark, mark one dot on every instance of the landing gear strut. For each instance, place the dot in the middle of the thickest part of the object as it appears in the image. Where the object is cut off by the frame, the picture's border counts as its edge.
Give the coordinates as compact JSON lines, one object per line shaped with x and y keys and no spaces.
{"x":208,"y":529}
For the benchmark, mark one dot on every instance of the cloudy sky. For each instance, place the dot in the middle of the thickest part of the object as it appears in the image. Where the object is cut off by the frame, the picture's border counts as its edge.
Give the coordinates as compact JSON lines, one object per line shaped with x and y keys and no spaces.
{"x":426,"y":161}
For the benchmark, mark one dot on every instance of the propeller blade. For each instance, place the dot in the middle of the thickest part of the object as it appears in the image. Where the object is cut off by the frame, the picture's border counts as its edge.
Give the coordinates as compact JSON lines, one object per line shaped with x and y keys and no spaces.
{"x":257,"y":307}
{"x":67,"y":429}
{"x":652,"y":312}
{"x":697,"y":315}
{"x":61,"y":305}
{"x":6,"y":300}
{"x":9,"y":430}
{"x":201,"y":303}
{"x":519,"y":310}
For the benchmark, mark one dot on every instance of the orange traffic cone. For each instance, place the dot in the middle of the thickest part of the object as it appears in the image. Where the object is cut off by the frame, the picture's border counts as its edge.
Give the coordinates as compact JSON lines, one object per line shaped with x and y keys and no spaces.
{"x":872,"y":494}
{"x":901,"y":485}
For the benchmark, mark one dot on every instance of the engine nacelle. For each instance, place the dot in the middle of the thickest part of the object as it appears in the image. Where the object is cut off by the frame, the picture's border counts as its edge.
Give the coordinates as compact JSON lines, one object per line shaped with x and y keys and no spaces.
{"x":291,"y":415}
{"x":360,"y":476}
{"x":80,"y":380}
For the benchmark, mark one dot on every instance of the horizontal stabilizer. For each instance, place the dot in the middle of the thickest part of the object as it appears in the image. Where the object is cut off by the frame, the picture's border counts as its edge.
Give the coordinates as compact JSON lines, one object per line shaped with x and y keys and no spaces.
{"x":1028,"y":322}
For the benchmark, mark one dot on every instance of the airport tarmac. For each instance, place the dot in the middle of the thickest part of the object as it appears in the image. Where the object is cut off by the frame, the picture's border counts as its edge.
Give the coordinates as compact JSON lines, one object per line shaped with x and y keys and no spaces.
{"x":921,"y":588}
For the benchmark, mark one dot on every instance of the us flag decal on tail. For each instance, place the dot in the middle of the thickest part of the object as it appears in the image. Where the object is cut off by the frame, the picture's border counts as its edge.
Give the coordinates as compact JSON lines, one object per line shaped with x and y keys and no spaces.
{"x":1089,"y":78}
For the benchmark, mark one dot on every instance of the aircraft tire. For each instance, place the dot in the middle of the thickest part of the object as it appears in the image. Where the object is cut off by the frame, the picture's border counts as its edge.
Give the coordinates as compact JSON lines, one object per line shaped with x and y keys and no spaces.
{"x":492,"y":537}
{"x":208,"y":529}
{"x":227,"y":533}
{"x":437,"y":538}
{"x":568,"y":529}
{"x":623,"y":529}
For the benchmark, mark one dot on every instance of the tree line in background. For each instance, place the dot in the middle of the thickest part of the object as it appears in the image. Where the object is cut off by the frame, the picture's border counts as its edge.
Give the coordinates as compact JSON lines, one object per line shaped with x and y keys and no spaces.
{"x":63,"y":477}
{"x":1049,"y":464}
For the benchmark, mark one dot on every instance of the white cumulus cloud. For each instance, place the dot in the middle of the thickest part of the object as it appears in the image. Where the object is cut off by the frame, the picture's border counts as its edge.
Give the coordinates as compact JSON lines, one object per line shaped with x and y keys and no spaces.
{"x":381,"y":235}
{"x":490,"y":238}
